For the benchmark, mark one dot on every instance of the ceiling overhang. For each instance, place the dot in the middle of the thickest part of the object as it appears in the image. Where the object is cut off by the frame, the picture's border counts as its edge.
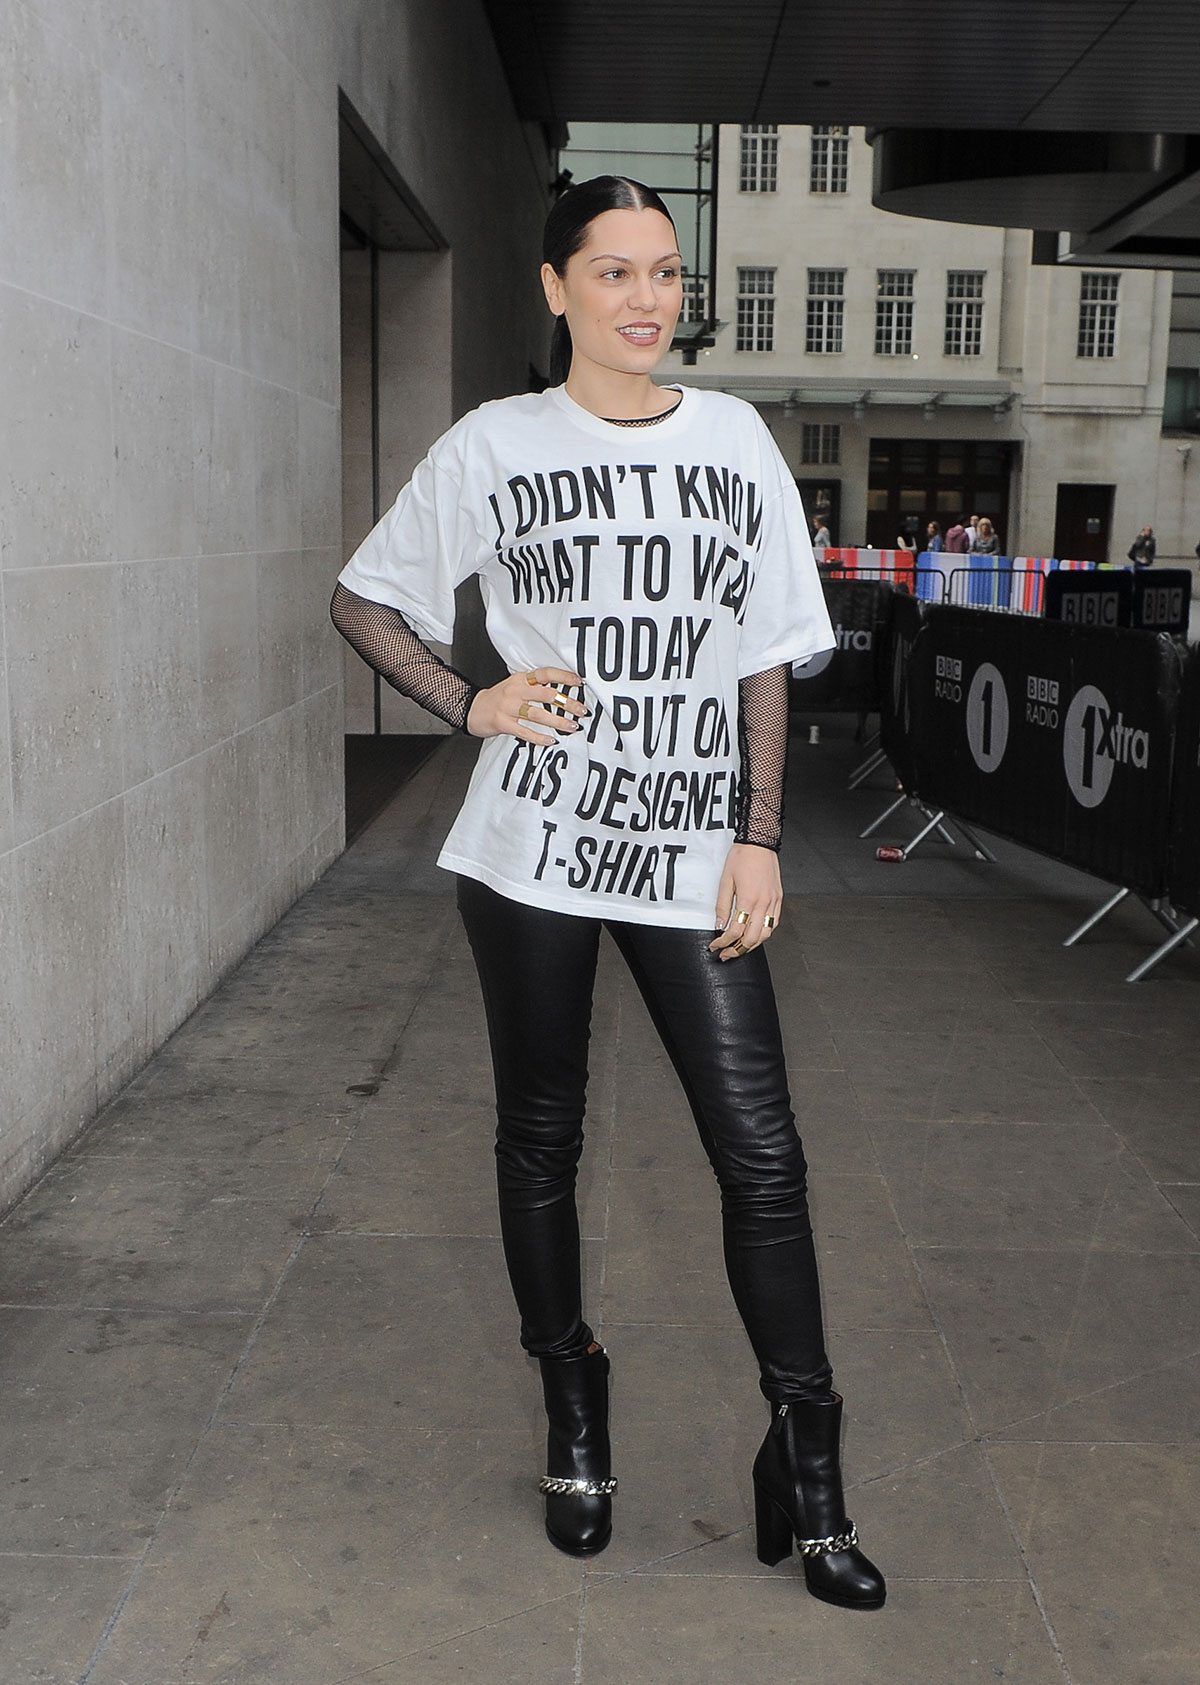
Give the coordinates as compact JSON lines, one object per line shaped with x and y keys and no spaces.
{"x":1072,"y":80}
{"x":1131,"y":199}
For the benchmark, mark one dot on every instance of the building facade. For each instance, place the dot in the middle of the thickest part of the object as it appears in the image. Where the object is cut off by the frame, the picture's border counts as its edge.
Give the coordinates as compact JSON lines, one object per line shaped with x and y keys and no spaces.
{"x":917,"y":371}
{"x":242,"y":246}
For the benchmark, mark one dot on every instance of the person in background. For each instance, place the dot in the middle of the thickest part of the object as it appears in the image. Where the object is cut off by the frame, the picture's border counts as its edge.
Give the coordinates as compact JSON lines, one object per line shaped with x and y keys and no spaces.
{"x":972,"y":531}
{"x":905,"y":541}
{"x":933,"y":538}
{"x":1143,"y":549}
{"x":956,"y":540}
{"x":821,"y":539}
{"x":986,"y":542}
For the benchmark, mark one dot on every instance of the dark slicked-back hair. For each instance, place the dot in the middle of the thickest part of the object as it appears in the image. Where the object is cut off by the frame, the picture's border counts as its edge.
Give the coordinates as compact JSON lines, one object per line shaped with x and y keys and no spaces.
{"x":566,"y":231}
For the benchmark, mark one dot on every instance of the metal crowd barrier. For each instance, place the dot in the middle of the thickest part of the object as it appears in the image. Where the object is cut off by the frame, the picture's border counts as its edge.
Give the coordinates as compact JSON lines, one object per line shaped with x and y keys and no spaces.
{"x":1008,"y":590}
{"x":1007,"y":584}
{"x":1066,"y":739}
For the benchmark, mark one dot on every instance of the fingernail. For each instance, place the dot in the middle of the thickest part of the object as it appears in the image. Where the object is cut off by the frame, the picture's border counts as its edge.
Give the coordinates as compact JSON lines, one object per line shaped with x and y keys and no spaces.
{"x":586,"y":715}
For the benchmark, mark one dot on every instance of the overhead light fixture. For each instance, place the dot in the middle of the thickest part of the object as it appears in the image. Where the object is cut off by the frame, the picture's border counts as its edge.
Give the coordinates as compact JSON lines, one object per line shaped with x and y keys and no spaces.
{"x":860,"y":409}
{"x":789,"y":404}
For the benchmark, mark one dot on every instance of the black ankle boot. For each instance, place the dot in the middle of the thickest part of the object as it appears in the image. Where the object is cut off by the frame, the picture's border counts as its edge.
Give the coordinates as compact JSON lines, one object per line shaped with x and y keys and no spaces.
{"x":578,"y":1484}
{"x":798,"y":1497}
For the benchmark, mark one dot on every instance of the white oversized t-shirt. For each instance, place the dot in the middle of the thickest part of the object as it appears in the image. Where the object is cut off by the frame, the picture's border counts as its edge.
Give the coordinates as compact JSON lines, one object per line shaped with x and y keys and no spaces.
{"x":662,"y":564}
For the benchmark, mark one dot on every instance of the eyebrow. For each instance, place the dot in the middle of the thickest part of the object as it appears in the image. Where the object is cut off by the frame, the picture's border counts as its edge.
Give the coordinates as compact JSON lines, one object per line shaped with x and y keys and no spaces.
{"x":617,"y":257}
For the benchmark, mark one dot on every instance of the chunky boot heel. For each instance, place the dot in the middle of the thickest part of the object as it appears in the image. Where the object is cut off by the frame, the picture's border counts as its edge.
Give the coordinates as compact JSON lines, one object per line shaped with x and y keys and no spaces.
{"x":798,"y":1483}
{"x":578,"y":1484}
{"x":772,"y":1530}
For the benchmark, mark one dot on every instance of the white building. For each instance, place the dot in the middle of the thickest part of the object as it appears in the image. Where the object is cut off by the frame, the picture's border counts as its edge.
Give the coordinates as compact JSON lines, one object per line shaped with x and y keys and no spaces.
{"x":920,"y":371}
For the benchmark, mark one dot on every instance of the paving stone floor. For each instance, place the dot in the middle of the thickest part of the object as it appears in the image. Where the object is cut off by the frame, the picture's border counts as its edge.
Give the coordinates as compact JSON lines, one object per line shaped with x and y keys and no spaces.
{"x":262,"y":1415}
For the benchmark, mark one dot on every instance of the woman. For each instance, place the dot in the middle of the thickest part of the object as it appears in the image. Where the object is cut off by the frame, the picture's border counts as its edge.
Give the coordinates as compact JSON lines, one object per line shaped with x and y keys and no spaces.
{"x":933,"y":538}
{"x":648,"y":580}
{"x":986,"y":541}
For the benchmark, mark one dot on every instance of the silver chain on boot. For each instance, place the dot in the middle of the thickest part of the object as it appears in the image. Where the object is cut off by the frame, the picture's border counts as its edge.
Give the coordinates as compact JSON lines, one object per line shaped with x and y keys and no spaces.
{"x":826,"y":1547}
{"x":557,"y":1487}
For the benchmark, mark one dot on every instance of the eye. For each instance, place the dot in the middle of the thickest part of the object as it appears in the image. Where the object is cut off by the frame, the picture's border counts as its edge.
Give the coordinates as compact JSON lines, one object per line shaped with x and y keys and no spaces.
{"x":611,"y":274}
{"x":669,"y":273}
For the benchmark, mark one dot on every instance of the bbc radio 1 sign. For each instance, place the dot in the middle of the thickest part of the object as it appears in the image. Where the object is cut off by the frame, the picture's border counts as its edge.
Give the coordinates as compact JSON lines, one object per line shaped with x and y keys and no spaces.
{"x":987,"y":717}
{"x":1056,"y":736}
{"x":968,"y":726}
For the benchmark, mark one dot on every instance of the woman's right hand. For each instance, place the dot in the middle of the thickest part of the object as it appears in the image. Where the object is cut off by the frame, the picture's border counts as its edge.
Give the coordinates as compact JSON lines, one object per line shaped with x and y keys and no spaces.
{"x":525,"y":700}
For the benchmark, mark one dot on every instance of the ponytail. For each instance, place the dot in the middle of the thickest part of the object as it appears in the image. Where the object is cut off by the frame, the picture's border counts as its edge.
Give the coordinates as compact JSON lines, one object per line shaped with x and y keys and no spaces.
{"x":571,"y":215}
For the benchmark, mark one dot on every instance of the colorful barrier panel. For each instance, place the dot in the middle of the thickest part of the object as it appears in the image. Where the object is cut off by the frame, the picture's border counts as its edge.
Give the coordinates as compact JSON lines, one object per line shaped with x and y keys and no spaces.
{"x":996,"y":583}
{"x":846,"y":679}
{"x":897,"y":567}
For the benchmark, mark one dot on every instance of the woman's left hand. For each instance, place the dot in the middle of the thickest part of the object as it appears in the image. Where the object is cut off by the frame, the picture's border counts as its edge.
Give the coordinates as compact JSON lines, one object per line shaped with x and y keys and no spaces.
{"x":749,"y":900}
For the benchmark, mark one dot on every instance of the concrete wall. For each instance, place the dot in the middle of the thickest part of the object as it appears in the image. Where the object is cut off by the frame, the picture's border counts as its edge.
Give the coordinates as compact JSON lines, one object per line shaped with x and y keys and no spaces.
{"x":170,"y":522}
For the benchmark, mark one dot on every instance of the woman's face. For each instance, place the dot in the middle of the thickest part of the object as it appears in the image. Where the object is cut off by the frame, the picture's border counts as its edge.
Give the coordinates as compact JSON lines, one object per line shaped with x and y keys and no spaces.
{"x":621,"y":293}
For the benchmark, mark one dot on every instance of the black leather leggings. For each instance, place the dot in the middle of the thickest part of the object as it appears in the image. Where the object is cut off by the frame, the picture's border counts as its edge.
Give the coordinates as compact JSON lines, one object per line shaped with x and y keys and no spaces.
{"x":719,"y":1024}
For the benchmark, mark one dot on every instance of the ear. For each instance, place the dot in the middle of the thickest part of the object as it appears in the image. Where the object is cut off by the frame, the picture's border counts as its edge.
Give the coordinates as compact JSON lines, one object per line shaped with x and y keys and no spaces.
{"x":553,"y":288}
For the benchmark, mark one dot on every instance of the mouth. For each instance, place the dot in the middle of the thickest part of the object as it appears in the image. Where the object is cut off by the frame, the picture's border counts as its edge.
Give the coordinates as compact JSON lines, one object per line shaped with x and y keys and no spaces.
{"x":640,"y":333}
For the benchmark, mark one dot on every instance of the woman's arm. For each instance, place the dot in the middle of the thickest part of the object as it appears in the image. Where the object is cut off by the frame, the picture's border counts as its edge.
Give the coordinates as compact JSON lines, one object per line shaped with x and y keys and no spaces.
{"x":751,"y":882}
{"x":386,"y":642}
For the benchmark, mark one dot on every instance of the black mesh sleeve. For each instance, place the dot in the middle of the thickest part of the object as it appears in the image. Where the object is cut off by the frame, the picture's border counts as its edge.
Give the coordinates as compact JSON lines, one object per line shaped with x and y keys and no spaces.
{"x":762,"y":739}
{"x":386,"y":641}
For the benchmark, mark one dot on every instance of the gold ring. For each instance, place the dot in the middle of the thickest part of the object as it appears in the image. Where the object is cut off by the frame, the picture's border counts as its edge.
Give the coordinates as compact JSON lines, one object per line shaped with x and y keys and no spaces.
{"x":523,"y":711}
{"x":561,"y":699}
{"x":770,"y":921}
{"x":738,"y":948}
{"x":531,"y":678}
{"x":743,"y":917}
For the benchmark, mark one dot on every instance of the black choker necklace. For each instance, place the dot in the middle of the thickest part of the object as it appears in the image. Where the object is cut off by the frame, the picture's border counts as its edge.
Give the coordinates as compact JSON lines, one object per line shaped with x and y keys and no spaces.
{"x":644,"y":420}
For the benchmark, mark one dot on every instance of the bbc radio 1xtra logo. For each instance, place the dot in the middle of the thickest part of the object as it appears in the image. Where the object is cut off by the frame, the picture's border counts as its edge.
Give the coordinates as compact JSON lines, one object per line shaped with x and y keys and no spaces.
{"x":1096,"y":740}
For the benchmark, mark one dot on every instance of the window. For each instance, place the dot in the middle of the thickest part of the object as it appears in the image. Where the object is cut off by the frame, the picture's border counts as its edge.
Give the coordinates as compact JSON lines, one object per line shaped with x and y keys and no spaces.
{"x":1098,"y":315}
{"x":820,"y":442}
{"x":964,"y":312}
{"x":1181,"y":400}
{"x":829,"y":161}
{"x":759,"y":166}
{"x":894,"y":312}
{"x":823,"y":324}
{"x":756,"y":310}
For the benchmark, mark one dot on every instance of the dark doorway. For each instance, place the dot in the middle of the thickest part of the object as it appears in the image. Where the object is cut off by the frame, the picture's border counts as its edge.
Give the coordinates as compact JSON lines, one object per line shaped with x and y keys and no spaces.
{"x":1083,"y":522}
{"x":915,"y":481}
{"x":384,"y":232}
{"x":823,"y":497}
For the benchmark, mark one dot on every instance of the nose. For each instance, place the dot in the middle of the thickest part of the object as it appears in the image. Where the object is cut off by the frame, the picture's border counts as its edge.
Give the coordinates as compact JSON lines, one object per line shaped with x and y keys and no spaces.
{"x":643,"y":294}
